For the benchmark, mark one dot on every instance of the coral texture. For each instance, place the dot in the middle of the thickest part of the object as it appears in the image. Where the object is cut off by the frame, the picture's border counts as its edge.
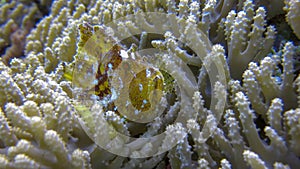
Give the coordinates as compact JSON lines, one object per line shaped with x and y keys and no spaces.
{"x":293,"y":15}
{"x":227,"y":98}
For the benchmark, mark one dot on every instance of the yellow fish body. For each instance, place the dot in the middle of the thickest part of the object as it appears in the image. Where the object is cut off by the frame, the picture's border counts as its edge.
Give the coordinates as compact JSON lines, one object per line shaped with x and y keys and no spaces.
{"x":103,"y":50}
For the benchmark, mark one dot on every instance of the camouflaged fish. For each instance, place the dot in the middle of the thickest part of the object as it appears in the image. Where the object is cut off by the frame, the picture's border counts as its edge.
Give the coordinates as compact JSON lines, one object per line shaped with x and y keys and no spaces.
{"x":94,"y":42}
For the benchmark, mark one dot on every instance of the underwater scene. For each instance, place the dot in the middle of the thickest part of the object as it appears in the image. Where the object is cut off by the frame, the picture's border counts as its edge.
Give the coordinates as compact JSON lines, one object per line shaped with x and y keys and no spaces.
{"x":150,"y":84}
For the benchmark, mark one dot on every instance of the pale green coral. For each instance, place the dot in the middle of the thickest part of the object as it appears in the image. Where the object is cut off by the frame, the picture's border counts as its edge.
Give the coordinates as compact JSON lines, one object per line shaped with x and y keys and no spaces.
{"x":17,"y":19}
{"x":293,"y":15}
{"x":31,"y":122}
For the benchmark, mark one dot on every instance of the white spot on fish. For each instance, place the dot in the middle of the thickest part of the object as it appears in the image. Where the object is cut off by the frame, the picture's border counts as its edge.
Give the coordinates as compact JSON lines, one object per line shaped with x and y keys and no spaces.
{"x":110,"y":65}
{"x":148,"y":73}
{"x":136,"y":112}
{"x":145,"y":101}
{"x":140,"y":87}
{"x":124,"y":54}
